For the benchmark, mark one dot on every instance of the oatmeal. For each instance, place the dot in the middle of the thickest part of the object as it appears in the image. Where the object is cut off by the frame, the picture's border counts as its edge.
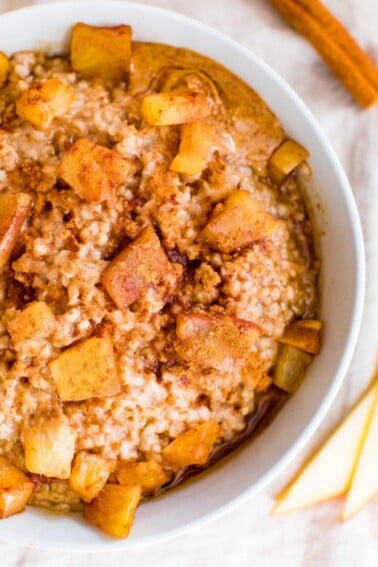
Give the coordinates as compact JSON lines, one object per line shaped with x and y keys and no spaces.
{"x":157,"y":268}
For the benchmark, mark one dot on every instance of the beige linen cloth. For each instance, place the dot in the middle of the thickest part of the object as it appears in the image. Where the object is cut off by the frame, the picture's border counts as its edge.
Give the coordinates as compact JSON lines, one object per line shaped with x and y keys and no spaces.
{"x":247,"y":536}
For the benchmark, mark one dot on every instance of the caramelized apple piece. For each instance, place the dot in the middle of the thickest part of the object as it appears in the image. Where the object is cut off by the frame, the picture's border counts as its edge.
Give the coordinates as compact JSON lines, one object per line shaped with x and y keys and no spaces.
{"x":102,"y":52}
{"x":114,"y":509}
{"x":50,"y":447}
{"x":164,"y":109}
{"x":14,"y":208}
{"x":149,"y":475}
{"x":36,"y":321}
{"x":94,"y":172}
{"x":291,"y":368}
{"x":214,"y":340}
{"x":254,"y":373}
{"x":141,"y":264}
{"x":303,"y":334}
{"x":195,"y":145}
{"x":285,"y":159}
{"x":86,"y":370}
{"x":43,"y":102}
{"x":192,"y":447}
{"x":237,"y":222}
{"x":15,"y":489}
{"x":89,"y":474}
{"x":4,"y":68}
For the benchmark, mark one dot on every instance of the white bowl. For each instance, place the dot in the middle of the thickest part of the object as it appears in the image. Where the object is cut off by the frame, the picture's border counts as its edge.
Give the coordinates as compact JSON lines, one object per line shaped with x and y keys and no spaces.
{"x":251,"y":468}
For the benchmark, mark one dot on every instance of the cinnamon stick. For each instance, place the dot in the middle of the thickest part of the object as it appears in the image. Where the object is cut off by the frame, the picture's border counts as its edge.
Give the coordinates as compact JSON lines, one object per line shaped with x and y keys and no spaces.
{"x":356,"y":71}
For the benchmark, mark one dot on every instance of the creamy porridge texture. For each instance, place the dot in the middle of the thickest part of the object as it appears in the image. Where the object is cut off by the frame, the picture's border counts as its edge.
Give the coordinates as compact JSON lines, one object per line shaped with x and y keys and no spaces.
{"x":158,"y":276}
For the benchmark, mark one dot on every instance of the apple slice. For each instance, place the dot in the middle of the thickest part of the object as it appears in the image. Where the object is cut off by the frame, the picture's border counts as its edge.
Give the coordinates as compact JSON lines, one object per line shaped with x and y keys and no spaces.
{"x":86,"y":370}
{"x":364,"y":482}
{"x":103,"y":52}
{"x":176,"y":107}
{"x":303,"y":334}
{"x":4,"y":68}
{"x":238,"y":222}
{"x":329,"y":471}
{"x":195,"y":145}
{"x":42,"y":102}
{"x":14,"y":208}
{"x":94,"y":172}
{"x":140,"y":265}
{"x":285,"y":159}
{"x":214,"y":339}
{"x":193,"y":447}
{"x":114,"y":509}
{"x":15,"y":489}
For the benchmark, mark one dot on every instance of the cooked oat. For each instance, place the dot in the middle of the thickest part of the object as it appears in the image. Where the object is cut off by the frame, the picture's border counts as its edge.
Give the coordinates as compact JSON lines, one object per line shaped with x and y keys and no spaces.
{"x":67,"y":243}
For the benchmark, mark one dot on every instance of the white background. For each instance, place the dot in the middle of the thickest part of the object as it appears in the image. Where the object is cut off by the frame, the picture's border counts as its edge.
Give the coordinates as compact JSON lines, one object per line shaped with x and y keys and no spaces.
{"x":248,"y":535}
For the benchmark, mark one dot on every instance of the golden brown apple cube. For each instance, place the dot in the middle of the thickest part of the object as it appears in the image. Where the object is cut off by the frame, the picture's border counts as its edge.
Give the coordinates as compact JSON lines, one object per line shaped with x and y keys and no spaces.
{"x":140,"y":265}
{"x":254,"y":372}
{"x":102,"y":52}
{"x":94,"y":172}
{"x":214,"y":340}
{"x":192,"y":447}
{"x":43,"y":102}
{"x":114,"y":509}
{"x":168,"y":108}
{"x":303,"y":334}
{"x":196,"y":141}
{"x":285,"y":159}
{"x":15,"y":489}
{"x":89,"y":474}
{"x":238,"y":222}
{"x":86,"y":370}
{"x":291,"y":367}
{"x":14,"y":209}
{"x":4,"y":68}
{"x":49,"y":448}
{"x":36,"y":321}
{"x":150,"y":475}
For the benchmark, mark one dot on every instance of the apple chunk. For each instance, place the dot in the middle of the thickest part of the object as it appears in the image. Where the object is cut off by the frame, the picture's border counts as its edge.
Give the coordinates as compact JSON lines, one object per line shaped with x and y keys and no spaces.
{"x":150,"y":475}
{"x":36,"y":321}
{"x":4,"y":68}
{"x":15,"y":489}
{"x":303,"y":334}
{"x":140,"y":265}
{"x":192,"y":447}
{"x":102,"y":52}
{"x":14,"y":209}
{"x":86,"y":370}
{"x":114,"y":509}
{"x":49,"y":448}
{"x":165,"y":109}
{"x":214,"y":340}
{"x":94,"y":172}
{"x":237,"y":222}
{"x":285,"y":159}
{"x":291,"y":368}
{"x":43,"y":102}
{"x":328,"y":473}
{"x":89,"y":474}
{"x":195,"y":145}
{"x":364,"y":483}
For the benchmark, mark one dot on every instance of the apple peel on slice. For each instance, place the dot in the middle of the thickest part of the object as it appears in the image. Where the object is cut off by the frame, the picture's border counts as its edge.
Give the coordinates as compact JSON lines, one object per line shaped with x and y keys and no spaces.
{"x":364,"y":482}
{"x":329,"y":472}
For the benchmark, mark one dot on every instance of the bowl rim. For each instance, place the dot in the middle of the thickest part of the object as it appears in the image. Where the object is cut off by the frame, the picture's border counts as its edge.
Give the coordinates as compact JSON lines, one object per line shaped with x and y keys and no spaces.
{"x":357,"y":312}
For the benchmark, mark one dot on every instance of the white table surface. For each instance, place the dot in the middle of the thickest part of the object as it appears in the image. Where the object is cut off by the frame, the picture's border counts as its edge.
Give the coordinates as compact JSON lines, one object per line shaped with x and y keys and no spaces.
{"x":247,"y":535}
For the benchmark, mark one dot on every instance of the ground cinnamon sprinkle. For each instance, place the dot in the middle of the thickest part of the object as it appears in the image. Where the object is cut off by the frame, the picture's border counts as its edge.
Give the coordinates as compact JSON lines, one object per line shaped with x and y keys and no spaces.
{"x":353,"y":67}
